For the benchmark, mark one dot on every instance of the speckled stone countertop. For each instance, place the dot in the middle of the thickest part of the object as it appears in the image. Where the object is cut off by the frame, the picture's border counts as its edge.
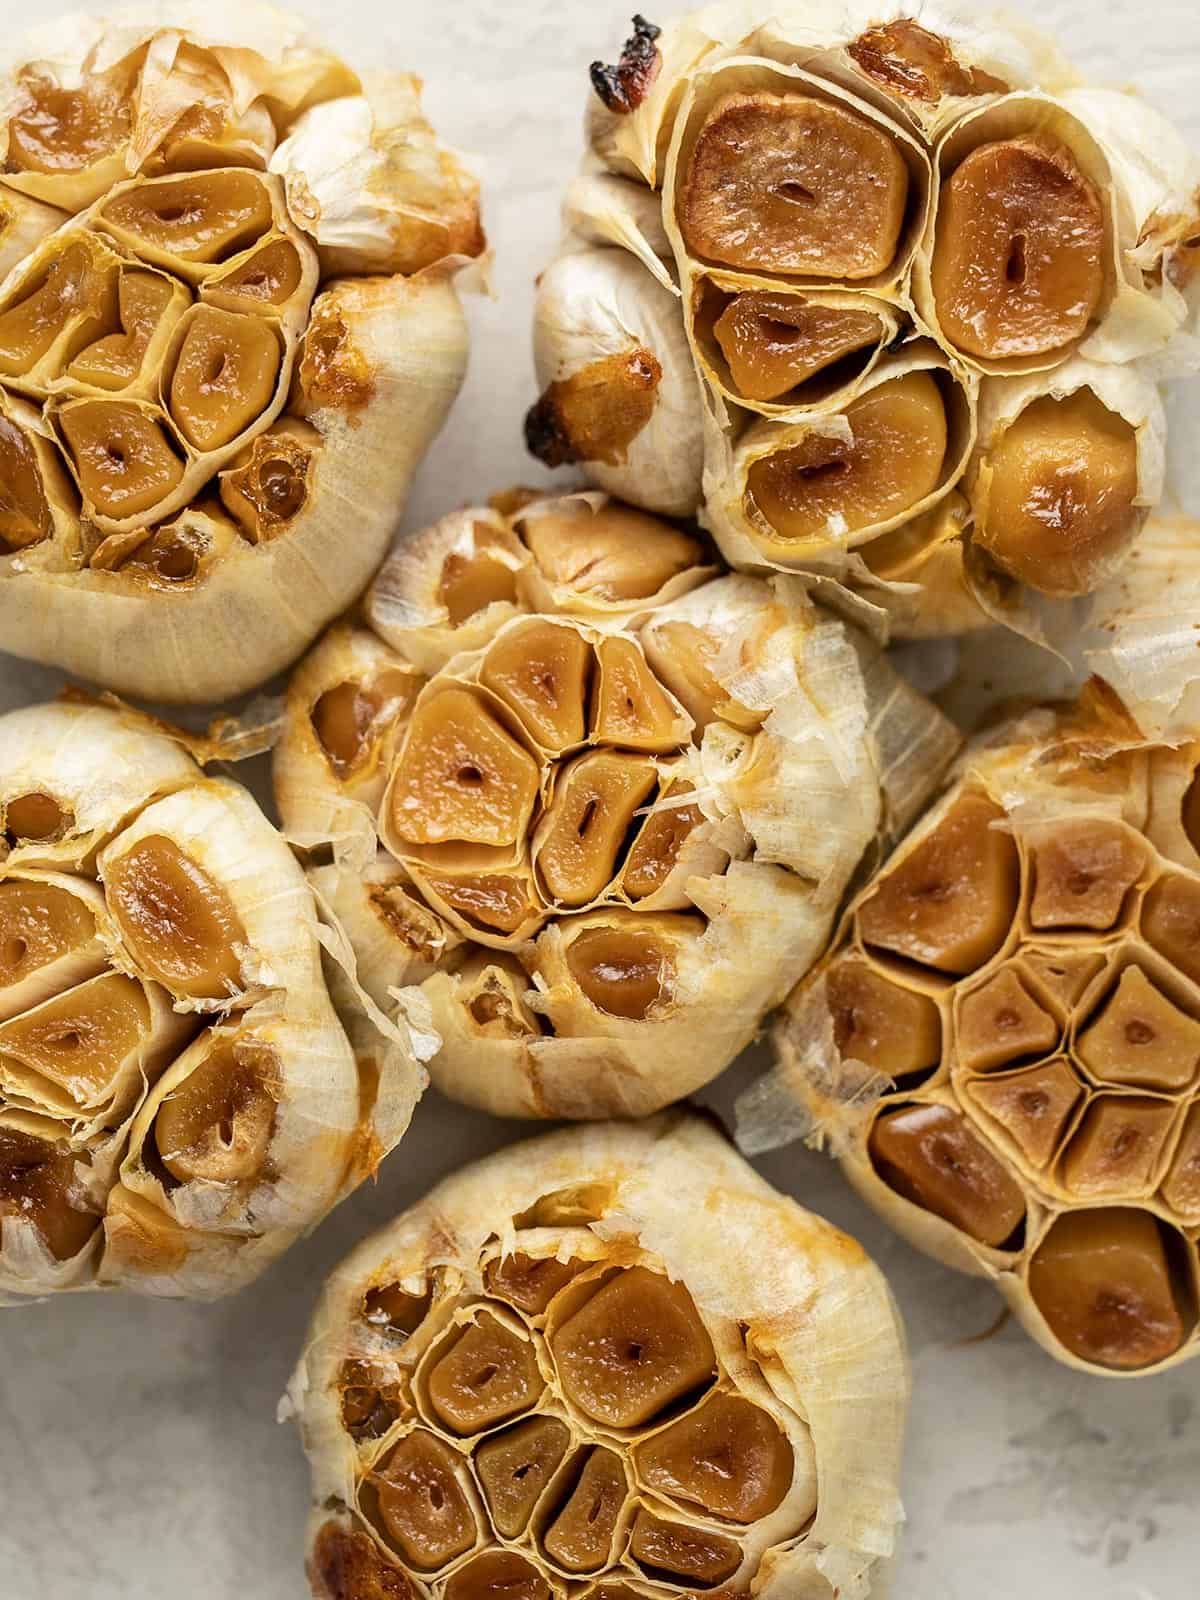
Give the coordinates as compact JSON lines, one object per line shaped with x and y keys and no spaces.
{"x":139,"y":1454}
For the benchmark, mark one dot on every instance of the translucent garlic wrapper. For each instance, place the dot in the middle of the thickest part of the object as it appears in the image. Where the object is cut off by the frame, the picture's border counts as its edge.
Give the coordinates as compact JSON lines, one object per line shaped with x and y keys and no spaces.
{"x":1003,"y":1046}
{"x":228,"y":333}
{"x":609,"y":1363}
{"x":584,"y":807}
{"x":883,"y":300}
{"x":179,"y":1099}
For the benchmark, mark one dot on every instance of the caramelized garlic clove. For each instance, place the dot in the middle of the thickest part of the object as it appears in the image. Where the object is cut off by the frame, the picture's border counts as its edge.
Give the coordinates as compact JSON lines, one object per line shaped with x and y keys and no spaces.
{"x":580,"y":1536}
{"x":728,"y":1457}
{"x":685,"y":657}
{"x":493,"y":991}
{"x":368,"y":1408}
{"x":528,"y":1282}
{"x":1117,"y":1147}
{"x":1082,"y":871}
{"x":637,"y":1345}
{"x":217,"y":1124}
{"x":1056,"y":497}
{"x":225,"y":376}
{"x":515,"y":1467}
{"x":932,"y":1156}
{"x":423,"y":1507}
{"x":910,"y":61}
{"x":179,"y":925}
{"x":72,"y":1050}
{"x":201,"y":218}
{"x":625,"y":969}
{"x":346,"y":718}
{"x":794,"y":184}
{"x":48,"y":939}
{"x":609,"y":552}
{"x":893,"y":462}
{"x":596,"y":798}
{"x":1181,"y":1186}
{"x":469,"y":584}
{"x":25,"y":517}
{"x":1033,"y":1107}
{"x":488,"y":1375}
{"x":461,"y":776}
{"x":58,"y":129}
{"x":774,"y":343}
{"x":35,"y":817}
{"x":631,"y":707}
{"x":495,"y":902}
{"x":1061,"y":974}
{"x":38,"y":1185}
{"x":268,"y":277}
{"x":75,"y":290}
{"x":271,"y":481}
{"x":655,"y":852}
{"x":542,"y":672}
{"x":950,"y":902}
{"x":1171,"y":922}
{"x":1103,"y":1282}
{"x":1018,"y":256}
{"x":498,"y":1575}
{"x":123,"y":457}
{"x":1000,"y":1022}
{"x":114,"y":362}
{"x":891,"y":1029}
{"x":682,"y":1551}
{"x":1141,"y":1038}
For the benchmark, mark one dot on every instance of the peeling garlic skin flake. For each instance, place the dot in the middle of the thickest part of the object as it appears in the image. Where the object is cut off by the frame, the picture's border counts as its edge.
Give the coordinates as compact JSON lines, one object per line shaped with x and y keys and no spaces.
{"x":179,"y":1099}
{"x":700,"y":1345}
{"x":180,"y":323}
{"x":1003,"y":1045}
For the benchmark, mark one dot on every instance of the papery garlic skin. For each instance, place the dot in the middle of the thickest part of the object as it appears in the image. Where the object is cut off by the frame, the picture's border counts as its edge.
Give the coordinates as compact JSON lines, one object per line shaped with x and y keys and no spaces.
{"x":249,"y":1107}
{"x":559,"y":794}
{"x":811,"y":1505}
{"x":1091,"y":196}
{"x":308,"y":348}
{"x":1001,"y":1046}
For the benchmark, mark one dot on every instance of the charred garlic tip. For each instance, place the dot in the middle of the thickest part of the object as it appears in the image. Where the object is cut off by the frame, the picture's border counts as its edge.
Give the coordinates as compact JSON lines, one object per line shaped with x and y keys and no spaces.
{"x":1020,"y":980}
{"x":178,"y":1099}
{"x":497,"y":1397}
{"x":786,"y":236}
{"x":551,"y":780}
{"x":168,"y":332}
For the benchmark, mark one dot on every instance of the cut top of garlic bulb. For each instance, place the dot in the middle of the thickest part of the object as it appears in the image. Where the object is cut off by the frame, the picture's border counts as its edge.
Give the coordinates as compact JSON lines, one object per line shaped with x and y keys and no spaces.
{"x":874,"y":298}
{"x":1003,"y":1047}
{"x":550,"y":1378}
{"x":590,"y":806}
{"x":225,"y":311}
{"x":179,"y":1100}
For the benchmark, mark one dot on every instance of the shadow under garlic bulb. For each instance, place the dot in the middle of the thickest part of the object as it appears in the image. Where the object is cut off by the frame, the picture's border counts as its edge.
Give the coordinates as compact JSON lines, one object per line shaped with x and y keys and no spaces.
{"x":900,"y":302}
{"x":179,"y":1098}
{"x":546,"y":1379}
{"x":1003,"y":1047}
{"x":228,"y":332}
{"x":583,"y":805}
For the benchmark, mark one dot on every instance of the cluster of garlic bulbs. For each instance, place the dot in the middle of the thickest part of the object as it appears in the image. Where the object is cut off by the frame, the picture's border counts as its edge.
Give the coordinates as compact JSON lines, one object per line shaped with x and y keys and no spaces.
{"x":610,"y":1363}
{"x":1003,"y":1046}
{"x":586,"y":807}
{"x":228,"y":332}
{"x":882,"y":299}
{"x":179,"y":1101}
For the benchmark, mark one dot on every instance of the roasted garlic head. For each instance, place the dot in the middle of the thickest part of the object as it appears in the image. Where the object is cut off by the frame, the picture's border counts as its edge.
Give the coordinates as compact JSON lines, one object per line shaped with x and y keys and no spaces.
{"x":609,"y":1363}
{"x":588,"y":804}
{"x":179,"y":1100}
{"x":876,"y":301}
{"x":228,"y":332}
{"x":1003,"y":1047}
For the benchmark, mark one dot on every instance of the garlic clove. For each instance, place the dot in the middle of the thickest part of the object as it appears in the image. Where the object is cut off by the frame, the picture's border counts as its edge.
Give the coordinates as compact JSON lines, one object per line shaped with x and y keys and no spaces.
{"x":930,"y":1155}
{"x":692,"y":1459}
{"x":774,"y":343}
{"x":580,"y":1538}
{"x":892,"y":1029}
{"x":515,"y":1467}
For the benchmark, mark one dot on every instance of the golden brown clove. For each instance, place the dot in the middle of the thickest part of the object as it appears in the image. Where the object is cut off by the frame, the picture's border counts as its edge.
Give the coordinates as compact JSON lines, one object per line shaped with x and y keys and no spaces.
{"x":595,"y":800}
{"x":1082,"y":872}
{"x":528,"y":1282}
{"x":932,"y":1156}
{"x":38,"y":1183}
{"x":1141,"y":1038}
{"x":655,"y":851}
{"x":1171,"y":922}
{"x":225,"y":376}
{"x":24,"y":511}
{"x":624,"y":969}
{"x":60,"y":129}
{"x":774,"y":343}
{"x":728,"y":1457}
{"x":202,"y":218}
{"x":895,"y":1031}
{"x":1117,"y":1148}
{"x":610,"y":553}
{"x":1001,"y":1021}
{"x":180,"y":926}
{"x":75,"y":290}
{"x":579,"y":1538}
{"x":683,"y":1551}
{"x":123,"y":456}
{"x":515,"y":1467}
{"x":542,"y":671}
{"x":631,"y":707}
{"x":114,"y":361}
{"x":1033,"y":1106}
{"x":488,"y":1374}
{"x":423,"y":1506}
{"x":217,"y":1124}
{"x":497,"y":1575}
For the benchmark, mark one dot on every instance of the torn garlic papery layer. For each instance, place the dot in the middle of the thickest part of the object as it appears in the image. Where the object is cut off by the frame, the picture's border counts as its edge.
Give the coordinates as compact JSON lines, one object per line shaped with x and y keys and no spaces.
{"x":210,"y":371}
{"x":1002,"y":1047}
{"x":179,"y":1097}
{"x":545,"y":1378}
{"x":574,"y":850}
{"x":843,"y":189}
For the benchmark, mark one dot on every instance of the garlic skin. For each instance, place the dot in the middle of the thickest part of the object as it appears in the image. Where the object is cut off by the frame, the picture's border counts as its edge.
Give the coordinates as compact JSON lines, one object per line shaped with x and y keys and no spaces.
{"x":174,"y":1144}
{"x":1004,"y":1070}
{"x":196,"y":417}
{"x":570,"y":845}
{"x":823,"y":1443}
{"x":749,"y":138}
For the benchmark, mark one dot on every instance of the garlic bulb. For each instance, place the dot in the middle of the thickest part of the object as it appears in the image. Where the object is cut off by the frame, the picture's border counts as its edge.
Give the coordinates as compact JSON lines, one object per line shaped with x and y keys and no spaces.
{"x":201,"y":390}
{"x":179,"y":1100}
{"x":1001,"y":1047}
{"x":928,"y":286}
{"x":591,"y":806}
{"x":609,"y":1362}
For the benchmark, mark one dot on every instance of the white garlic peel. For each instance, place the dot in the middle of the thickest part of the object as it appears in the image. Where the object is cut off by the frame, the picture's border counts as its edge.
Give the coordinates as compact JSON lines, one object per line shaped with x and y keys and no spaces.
{"x":228,"y":333}
{"x":179,"y":1099}
{"x":777,"y":1327}
{"x":551,"y":795}
{"x":1000,"y":1047}
{"x":794,"y":315}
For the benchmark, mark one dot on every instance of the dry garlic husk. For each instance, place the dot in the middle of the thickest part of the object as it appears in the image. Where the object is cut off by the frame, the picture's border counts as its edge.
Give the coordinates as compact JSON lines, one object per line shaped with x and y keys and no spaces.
{"x":584,"y":807}
{"x":228,"y":332}
{"x":549,"y":1378}
{"x":928,"y":285}
{"x":1002,"y":1046}
{"x":179,"y":1100}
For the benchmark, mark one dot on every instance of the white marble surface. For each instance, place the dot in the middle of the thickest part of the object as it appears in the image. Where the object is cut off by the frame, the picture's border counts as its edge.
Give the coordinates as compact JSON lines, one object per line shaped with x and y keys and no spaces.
{"x":139,"y":1456}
